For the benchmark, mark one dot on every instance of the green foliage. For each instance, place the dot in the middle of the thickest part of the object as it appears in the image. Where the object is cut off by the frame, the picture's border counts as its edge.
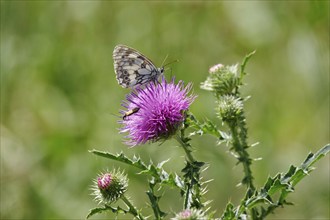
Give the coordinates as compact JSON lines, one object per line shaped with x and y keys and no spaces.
{"x":263,"y":200}
{"x":282,"y":183}
{"x":243,"y":65}
{"x":154,"y":200}
{"x":192,"y":192}
{"x":230,"y":110}
{"x":117,"y":210}
{"x":157,"y":172}
{"x":191,"y":173}
{"x":206,"y":127}
{"x":229,"y":212}
{"x":98,"y":210}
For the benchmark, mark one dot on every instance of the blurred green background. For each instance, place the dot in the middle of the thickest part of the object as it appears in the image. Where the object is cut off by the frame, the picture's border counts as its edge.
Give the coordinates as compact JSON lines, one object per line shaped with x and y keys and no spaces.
{"x":60,"y":98}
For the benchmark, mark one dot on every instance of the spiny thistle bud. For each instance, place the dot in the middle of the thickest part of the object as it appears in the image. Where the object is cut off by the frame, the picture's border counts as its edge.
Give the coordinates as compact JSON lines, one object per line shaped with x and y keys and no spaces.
{"x":216,"y":68}
{"x":230,"y":108}
{"x":110,"y":186}
{"x":190,"y":214}
{"x":222,"y":80}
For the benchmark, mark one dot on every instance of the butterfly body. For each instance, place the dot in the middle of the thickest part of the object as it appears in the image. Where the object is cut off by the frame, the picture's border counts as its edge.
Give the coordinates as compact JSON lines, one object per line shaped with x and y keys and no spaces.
{"x":133,"y":68}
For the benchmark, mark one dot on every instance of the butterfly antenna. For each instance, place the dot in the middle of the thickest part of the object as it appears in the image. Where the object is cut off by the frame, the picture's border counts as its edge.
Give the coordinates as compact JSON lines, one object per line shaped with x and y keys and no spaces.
{"x":163,"y":65}
{"x":164,"y":60}
{"x":174,"y":61}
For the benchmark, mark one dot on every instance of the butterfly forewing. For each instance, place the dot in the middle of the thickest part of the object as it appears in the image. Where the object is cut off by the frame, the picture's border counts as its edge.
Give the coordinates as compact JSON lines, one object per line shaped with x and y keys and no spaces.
{"x":133,"y":68}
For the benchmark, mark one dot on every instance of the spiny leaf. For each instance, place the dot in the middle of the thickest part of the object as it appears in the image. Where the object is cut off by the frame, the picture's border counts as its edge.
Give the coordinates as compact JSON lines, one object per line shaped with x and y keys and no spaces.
{"x":99,"y":210}
{"x":160,"y":175}
{"x":164,"y":178}
{"x":282,"y":183}
{"x":295,"y":174}
{"x":229,"y":213}
{"x":192,"y":190}
{"x":206,"y":127}
{"x":246,"y":59}
{"x":136,"y":162}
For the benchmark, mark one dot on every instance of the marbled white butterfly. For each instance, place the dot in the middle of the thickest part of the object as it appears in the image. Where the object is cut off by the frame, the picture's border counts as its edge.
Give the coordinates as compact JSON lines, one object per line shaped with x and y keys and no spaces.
{"x":133,"y":68}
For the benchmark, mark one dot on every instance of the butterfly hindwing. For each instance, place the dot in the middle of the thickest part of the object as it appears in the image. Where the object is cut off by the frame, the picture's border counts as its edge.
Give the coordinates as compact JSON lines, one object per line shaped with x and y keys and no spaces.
{"x":133,"y":68}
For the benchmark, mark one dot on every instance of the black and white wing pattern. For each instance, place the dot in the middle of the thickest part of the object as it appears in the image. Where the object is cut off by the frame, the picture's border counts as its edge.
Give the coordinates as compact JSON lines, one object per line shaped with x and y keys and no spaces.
{"x":133,"y":68}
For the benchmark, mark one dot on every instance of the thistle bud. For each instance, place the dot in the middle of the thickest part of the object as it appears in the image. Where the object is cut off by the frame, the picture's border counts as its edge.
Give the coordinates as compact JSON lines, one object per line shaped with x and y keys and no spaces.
{"x":110,"y":186}
{"x":215,"y":68}
{"x":222,"y":80}
{"x":230,"y":108}
{"x":190,"y":214}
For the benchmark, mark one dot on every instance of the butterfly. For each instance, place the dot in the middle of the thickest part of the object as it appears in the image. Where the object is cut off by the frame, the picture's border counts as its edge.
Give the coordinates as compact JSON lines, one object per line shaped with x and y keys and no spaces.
{"x":132,"y":68}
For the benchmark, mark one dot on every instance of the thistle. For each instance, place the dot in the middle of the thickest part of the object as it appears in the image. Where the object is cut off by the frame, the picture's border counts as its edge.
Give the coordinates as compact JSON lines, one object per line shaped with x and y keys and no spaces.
{"x":110,"y":186}
{"x":161,"y":112}
{"x":190,"y":214}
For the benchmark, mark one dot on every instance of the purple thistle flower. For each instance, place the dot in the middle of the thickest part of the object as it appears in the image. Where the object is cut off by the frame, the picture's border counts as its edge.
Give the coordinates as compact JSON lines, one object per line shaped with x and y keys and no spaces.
{"x":155,"y":111}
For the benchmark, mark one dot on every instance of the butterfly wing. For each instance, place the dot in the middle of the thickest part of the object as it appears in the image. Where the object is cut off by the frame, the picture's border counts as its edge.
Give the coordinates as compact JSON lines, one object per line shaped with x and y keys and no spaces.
{"x":133,"y":68}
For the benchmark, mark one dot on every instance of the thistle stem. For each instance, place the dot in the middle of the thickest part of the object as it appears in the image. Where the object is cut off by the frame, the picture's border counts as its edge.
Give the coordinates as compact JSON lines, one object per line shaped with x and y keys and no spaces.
{"x":185,"y":147}
{"x":192,"y":192}
{"x":240,"y":146}
{"x":191,"y":160}
{"x":132,"y":209}
{"x":244,"y":157}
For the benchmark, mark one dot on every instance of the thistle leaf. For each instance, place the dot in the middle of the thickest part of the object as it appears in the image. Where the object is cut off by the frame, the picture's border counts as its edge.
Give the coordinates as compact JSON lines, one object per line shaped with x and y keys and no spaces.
{"x":282,"y":183}
{"x":160,"y":175}
{"x":99,"y":210}
{"x":229,"y":213}
{"x":246,"y":59}
{"x":136,"y":162}
{"x":206,"y":127}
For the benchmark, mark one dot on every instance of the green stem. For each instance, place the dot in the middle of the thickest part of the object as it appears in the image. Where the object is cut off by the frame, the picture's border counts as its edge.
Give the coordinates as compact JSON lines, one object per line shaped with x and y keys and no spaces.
{"x":186,"y":149}
{"x":132,"y":209}
{"x":154,"y":203}
{"x":192,"y":195}
{"x":190,"y":158}
{"x":244,"y":157}
{"x":239,"y":146}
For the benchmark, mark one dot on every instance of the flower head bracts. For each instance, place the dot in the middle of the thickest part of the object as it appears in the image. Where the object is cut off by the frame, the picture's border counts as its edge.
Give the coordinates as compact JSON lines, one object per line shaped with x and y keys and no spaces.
{"x":108,"y":187}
